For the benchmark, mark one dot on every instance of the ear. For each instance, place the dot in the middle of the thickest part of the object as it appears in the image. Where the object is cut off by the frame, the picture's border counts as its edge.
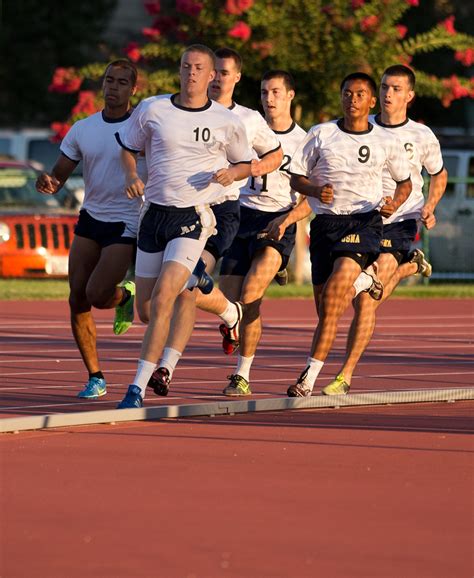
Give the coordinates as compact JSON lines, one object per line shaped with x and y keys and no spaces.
{"x":239,"y":76}
{"x":134,"y":90}
{"x":411,"y":96}
{"x":212,"y":75}
{"x":291,"y":94}
{"x":373,"y":102}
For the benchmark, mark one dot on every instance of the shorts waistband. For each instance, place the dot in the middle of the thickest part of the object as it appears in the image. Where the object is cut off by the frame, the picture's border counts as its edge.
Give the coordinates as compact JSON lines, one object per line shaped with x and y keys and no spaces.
{"x":331,"y":217}
{"x":171,"y":208}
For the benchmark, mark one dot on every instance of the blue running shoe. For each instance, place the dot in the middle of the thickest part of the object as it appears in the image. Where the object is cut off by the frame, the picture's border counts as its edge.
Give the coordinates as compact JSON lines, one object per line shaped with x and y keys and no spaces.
{"x":133,"y":398}
{"x":204,"y":281}
{"x":93,"y":389}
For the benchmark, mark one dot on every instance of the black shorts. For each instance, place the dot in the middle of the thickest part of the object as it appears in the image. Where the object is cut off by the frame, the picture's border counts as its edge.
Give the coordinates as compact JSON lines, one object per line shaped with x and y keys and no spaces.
{"x":227,"y":224}
{"x":356,"y":235}
{"x":248,"y":241}
{"x":397,"y":238}
{"x":161,"y":224}
{"x":102,"y":232}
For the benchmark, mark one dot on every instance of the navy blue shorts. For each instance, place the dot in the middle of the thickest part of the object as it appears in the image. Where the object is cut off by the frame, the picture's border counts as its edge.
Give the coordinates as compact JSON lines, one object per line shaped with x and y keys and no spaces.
{"x":102,"y":232}
{"x":161,"y":224}
{"x":238,"y":259}
{"x":358,"y":236}
{"x":227,"y":224}
{"x":397,"y":238}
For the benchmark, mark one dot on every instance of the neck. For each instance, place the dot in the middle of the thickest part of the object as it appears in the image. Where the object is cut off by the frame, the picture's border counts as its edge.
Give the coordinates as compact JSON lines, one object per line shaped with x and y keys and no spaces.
{"x":116,"y":111}
{"x":192,"y":101}
{"x":225,"y":101}
{"x":280,"y":123}
{"x":394,"y":118}
{"x":356,"y":124}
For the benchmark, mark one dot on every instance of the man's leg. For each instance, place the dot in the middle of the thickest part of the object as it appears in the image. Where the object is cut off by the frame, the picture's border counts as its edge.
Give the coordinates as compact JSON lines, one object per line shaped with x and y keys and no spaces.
{"x":264,"y":267}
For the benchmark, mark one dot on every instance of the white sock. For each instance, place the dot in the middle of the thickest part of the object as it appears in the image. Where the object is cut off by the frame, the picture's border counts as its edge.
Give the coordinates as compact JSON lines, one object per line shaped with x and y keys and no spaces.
{"x":243,"y":366}
{"x":170,"y":359}
{"x":363,"y":282}
{"x":312,"y":370}
{"x":144,"y":371}
{"x":230,"y":315}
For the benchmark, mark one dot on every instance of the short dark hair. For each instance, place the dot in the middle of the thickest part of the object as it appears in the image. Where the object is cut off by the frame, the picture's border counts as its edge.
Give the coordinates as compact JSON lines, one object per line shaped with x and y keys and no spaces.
{"x":203,"y":50}
{"x":287,"y":78}
{"x":361,"y":76}
{"x":128,"y":65}
{"x":230,"y":53}
{"x":401,"y":70}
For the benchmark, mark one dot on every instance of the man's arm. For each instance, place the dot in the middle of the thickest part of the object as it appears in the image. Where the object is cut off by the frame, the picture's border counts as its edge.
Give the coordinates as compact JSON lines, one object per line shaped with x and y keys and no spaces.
{"x":50,"y":183}
{"x":304,"y":186}
{"x":134,"y":186}
{"x":267,"y":164}
{"x":401,"y":194}
{"x":237,"y":172}
{"x":436,"y":191}
{"x":277,"y":227}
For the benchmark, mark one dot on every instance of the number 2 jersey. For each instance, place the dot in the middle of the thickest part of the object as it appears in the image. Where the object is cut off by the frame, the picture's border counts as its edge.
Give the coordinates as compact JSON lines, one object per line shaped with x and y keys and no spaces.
{"x":184,"y":147}
{"x":272,"y":192}
{"x":352,"y":162}
{"x":422,"y":150}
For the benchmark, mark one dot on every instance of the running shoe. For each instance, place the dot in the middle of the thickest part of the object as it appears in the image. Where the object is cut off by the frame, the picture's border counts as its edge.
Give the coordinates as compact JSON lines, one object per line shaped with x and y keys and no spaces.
{"x":160,"y":381}
{"x":424,"y":267}
{"x":124,"y":313}
{"x":231,"y":335}
{"x":204,"y":281}
{"x":300,"y":388}
{"x":132,"y":399}
{"x":376,"y":288}
{"x":93,"y":389}
{"x":338,"y":386}
{"x":282,"y":277}
{"x":238,"y":386}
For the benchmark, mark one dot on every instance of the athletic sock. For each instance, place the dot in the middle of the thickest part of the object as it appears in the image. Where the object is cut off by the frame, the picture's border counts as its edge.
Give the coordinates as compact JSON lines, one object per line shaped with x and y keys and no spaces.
{"x":230,"y":315}
{"x":144,"y":371}
{"x":97,"y":374}
{"x":312,"y":370}
{"x":170,"y":359}
{"x":243,"y":366}
{"x":363,"y":282}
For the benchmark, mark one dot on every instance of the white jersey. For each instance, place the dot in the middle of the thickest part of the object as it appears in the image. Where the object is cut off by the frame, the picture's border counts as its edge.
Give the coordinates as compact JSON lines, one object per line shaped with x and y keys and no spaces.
{"x":92,"y":141}
{"x":184,"y":147}
{"x":260,"y":137}
{"x":272,"y":192}
{"x":352,"y":162}
{"x":423,"y":150}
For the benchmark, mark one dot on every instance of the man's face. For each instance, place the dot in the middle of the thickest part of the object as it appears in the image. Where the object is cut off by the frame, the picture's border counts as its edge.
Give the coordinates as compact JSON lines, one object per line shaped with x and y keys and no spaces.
{"x":357,"y":99}
{"x":196,"y":72}
{"x":395,"y":94}
{"x":276,"y":98}
{"x":227,"y":76}
{"x":117,"y":86}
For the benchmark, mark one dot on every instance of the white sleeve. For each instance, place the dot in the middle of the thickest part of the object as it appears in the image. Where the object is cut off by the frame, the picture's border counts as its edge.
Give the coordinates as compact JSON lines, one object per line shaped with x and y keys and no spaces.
{"x":432,"y":159}
{"x":306,"y":155}
{"x":133,"y":135}
{"x":265,"y":140}
{"x":70,"y":146}
{"x":237,"y":147}
{"x":397,"y":162}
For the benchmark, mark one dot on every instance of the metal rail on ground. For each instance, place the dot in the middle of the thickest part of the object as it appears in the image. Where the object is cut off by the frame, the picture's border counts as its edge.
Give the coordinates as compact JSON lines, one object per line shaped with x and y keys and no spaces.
{"x":229,"y":407}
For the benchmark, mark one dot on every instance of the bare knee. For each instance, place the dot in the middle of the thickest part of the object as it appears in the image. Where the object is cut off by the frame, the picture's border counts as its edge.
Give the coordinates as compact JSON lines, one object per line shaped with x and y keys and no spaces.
{"x":100,"y":297}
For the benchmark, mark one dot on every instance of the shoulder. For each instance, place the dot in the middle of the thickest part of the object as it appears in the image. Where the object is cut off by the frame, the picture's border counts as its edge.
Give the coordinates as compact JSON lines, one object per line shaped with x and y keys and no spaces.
{"x":421,"y":129}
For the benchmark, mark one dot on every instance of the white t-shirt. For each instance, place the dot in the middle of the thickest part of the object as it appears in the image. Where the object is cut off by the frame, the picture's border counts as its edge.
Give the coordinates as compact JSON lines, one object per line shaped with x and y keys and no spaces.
{"x":272,"y":192}
{"x":352,"y":162}
{"x":184,"y":147}
{"x":423,"y":150}
{"x":260,"y":137}
{"x":92,"y":140}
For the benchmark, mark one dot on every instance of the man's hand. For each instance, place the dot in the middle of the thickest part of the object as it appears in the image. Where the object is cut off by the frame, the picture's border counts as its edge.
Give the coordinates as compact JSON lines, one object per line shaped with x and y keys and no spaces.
{"x":134,"y":187}
{"x":428,"y":217}
{"x":47,"y":184}
{"x":276,"y":228}
{"x":224,"y":177}
{"x":326,"y":194}
{"x":388,"y":208}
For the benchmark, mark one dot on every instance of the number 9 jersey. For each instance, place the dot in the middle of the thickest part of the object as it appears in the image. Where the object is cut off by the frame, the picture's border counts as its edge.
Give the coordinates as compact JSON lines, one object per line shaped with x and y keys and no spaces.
{"x":352,"y":162}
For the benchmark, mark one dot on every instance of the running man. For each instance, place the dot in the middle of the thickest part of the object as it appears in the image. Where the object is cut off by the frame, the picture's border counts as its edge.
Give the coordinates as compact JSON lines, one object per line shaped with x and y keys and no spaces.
{"x":189,"y":142}
{"x":105,"y":235}
{"x":399,"y":231}
{"x":339,"y":167}
{"x":267,"y":232}
{"x":227,"y":212}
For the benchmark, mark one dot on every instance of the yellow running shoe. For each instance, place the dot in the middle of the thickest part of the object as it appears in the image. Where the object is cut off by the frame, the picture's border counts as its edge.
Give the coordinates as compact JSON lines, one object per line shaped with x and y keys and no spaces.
{"x":124,"y":313}
{"x":337,"y":387}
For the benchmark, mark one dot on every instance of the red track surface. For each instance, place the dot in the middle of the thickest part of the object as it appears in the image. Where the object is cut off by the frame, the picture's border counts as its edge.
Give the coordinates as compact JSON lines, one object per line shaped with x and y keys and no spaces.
{"x":370,"y":492}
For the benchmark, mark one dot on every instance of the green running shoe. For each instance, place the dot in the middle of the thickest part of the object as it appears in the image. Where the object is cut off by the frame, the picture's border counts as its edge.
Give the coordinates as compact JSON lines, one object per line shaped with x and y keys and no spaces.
{"x":93,"y":389}
{"x":124,"y":313}
{"x":337,"y":387}
{"x":238,"y":386}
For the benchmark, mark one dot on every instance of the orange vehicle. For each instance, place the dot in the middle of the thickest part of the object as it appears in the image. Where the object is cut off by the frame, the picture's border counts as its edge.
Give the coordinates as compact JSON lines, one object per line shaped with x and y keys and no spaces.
{"x":36,"y":230}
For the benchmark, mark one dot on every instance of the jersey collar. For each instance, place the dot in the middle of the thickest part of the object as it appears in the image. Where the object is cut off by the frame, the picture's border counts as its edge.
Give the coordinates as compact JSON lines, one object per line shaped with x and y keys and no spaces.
{"x":205,"y":107}
{"x":340,"y":124}
{"x":378,"y":120}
